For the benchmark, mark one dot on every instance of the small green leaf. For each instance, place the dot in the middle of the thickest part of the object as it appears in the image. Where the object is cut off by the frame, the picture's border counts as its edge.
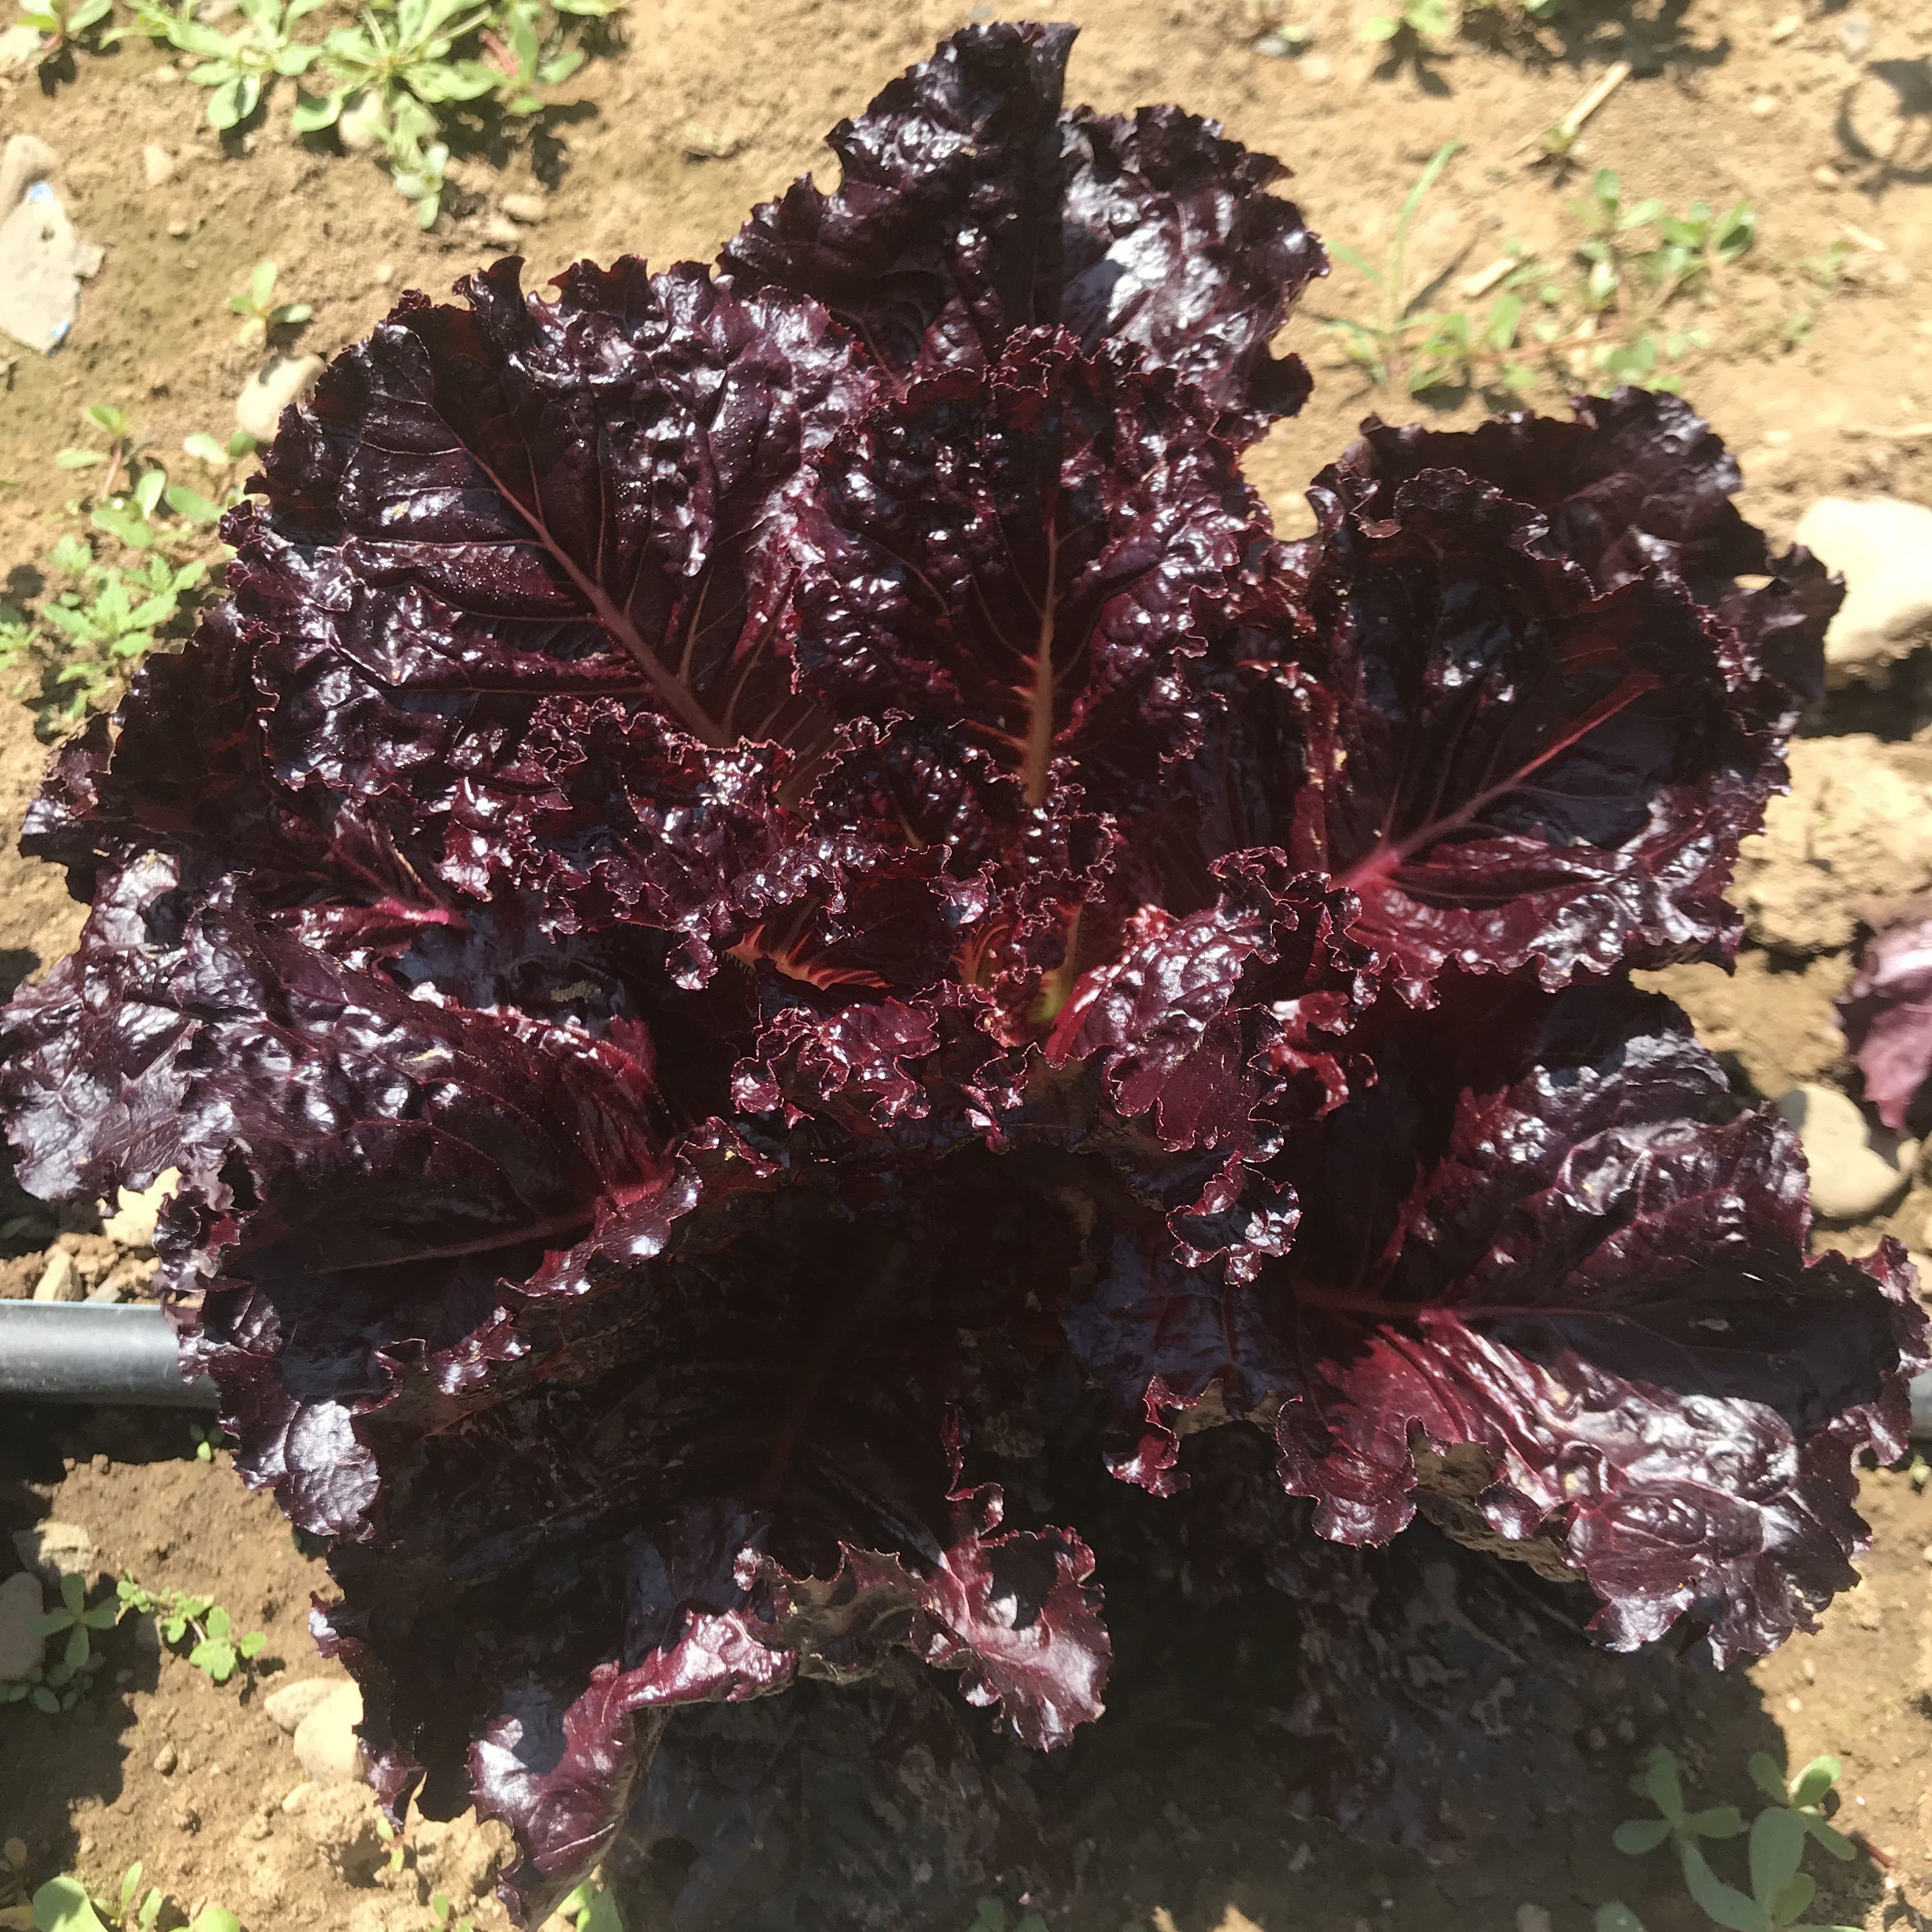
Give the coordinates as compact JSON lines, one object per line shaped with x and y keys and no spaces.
{"x":62,"y":1905}
{"x":1618,"y":1917}
{"x":1718,"y":1900}
{"x":1636,"y":1836}
{"x":44,"y":1700}
{"x":1793,"y":1899}
{"x":215,"y":1918}
{"x":120,"y":523}
{"x":1661,"y":1785}
{"x":75,"y":1654}
{"x":148,"y":491}
{"x":253,"y":1645}
{"x":1809,"y":1788}
{"x":78,"y":459}
{"x":1777,"y":1850}
{"x":130,"y":1885}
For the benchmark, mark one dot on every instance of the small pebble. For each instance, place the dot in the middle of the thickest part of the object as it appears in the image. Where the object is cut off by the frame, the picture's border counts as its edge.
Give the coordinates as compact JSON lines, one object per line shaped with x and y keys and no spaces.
{"x":166,"y":1758}
{"x":1275,"y":46}
{"x":1783,"y":28}
{"x":1532,"y":1918}
{"x":1855,"y":1169}
{"x":1794,"y":1705}
{"x":1299,"y":1862}
{"x":383,"y":273}
{"x":1765,"y":106}
{"x":285,"y":380}
{"x":180,"y":230}
{"x":85,"y":1846}
{"x":1811,"y":1670}
{"x":164,"y":73}
{"x":1827,"y":176}
{"x":502,"y":232}
{"x":101,"y":1465}
{"x":157,"y":165}
{"x":1319,"y":69}
{"x":60,"y":1280}
{"x":1854,"y":36}
{"x":528,"y":208}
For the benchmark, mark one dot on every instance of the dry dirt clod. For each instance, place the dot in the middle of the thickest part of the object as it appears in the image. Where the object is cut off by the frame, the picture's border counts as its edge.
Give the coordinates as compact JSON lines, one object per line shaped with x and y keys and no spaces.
{"x":132,"y":1223}
{"x":1883,"y":547}
{"x":1856,"y":826}
{"x":60,"y":1279}
{"x":166,"y":1758}
{"x":288,"y":1706}
{"x":1855,"y":1169}
{"x":22,"y":1605}
{"x":55,"y":1549}
{"x":157,"y":165}
{"x":340,"y":1821}
{"x":271,"y":390}
{"x":500,"y":233}
{"x":325,"y":1740}
{"x":529,"y":209}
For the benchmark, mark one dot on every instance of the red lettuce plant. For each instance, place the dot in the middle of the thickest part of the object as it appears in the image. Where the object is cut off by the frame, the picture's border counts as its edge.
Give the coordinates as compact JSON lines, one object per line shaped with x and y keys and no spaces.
{"x":1887,"y":1016}
{"x":772,"y":929}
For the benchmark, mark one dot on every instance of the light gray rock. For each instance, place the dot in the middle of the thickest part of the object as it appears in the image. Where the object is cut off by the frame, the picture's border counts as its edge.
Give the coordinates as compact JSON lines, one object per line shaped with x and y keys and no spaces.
{"x":271,"y":390}
{"x":53,"y":1550}
{"x":325,"y":1740}
{"x":1882,"y":546}
{"x":21,"y":1605}
{"x":60,"y":1279}
{"x":157,"y":165}
{"x":1856,"y":1169}
{"x":293,"y":1703}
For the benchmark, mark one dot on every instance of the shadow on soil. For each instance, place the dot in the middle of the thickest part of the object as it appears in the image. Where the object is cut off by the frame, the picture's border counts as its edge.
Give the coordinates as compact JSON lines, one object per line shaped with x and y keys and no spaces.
{"x":78,"y":1751}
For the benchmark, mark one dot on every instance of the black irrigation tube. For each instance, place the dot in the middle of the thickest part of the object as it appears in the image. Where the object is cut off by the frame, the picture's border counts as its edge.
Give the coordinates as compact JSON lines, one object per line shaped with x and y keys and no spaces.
{"x":81,"y":1351}
{"x":66,"y":1351}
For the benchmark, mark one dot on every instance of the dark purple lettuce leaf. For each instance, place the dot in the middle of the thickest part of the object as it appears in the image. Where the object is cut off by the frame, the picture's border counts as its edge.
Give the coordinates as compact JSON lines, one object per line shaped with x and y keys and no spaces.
{"x":519,"y":583}
{"x":1515,"y":772}
{"x":1887,"y":1018}
{"x":1545,"y":1221}
{"x":971,"y":205}
{"x":1026,"y":554}
{"x":1638,"y":482}
{"x":627,"y":1474}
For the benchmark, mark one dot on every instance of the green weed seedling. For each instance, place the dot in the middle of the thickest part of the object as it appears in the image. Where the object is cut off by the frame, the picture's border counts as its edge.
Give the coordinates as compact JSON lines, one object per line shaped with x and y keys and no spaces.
{"x":1424,"y":348}
{"x":591,"y":1909}
{"x":78,"y":1620}
{"x":214,"y":1649}
{"x":262,"y":316}
{"x":1423,"y":20}
{"x":59,"y":1686}
{"x":237,"y":68}
{"x":91,"y":637}
{"x":1804,"y":1798}
{"x":63,"y":25}
{"x":533,"y":53}
{"x":390,"y":74}
{"x":445,"y":1914}
{"x":65,"y":1905}
{"x":1781,"y":1890}
{"x":121,"y":461}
